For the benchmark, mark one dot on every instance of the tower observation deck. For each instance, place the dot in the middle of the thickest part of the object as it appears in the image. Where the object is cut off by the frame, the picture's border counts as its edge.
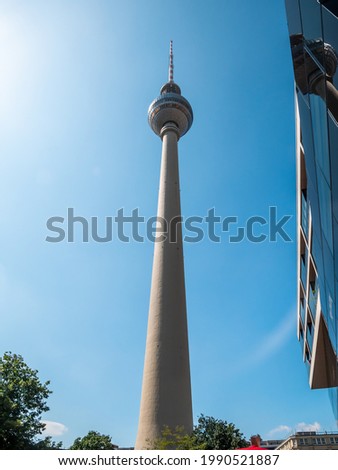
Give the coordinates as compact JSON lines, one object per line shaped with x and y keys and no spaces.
{"x":166,"y":389}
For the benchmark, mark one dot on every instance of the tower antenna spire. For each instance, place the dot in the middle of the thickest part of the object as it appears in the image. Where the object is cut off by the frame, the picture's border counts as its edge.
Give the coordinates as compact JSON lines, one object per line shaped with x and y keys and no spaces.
{"x":171,"y":63}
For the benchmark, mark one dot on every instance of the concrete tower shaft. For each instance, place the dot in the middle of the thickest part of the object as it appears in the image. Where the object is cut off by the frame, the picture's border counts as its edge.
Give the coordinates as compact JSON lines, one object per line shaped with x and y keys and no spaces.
{"x":166,"y":390}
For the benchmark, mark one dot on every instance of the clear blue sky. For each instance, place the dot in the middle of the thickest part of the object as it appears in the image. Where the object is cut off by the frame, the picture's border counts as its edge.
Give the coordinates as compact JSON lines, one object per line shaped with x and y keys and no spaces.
{"x":76,"y":80}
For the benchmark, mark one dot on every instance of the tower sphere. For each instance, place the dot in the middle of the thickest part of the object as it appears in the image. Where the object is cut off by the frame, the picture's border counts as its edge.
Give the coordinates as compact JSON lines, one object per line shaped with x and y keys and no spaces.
{"x":170,"y":107}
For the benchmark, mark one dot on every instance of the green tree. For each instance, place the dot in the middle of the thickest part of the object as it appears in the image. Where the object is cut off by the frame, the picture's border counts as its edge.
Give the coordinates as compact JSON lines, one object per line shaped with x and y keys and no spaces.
{"x":22,"y":401}
{"x":93,"y":441}
{"x":47,"y":444}
{"x":217,"y":434}
{"x":176,"y":439}
{"x":209,"y":434}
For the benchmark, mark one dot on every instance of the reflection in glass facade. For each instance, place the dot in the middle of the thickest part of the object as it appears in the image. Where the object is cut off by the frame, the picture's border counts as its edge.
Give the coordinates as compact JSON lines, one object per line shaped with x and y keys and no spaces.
{"x":313,"y":29}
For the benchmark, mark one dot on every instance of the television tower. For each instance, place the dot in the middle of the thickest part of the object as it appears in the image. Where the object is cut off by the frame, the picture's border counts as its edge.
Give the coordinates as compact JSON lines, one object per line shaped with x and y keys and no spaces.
{"x":166,"y":388}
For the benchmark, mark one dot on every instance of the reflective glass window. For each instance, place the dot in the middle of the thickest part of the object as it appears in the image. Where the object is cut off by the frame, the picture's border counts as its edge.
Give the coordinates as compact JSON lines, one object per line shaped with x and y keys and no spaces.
{"x":303,"y":269}
{"x":312,"y":196}
{"x":333,"y":139}
{"x":336,"y":317}
{"x":301,"y":337}
{"x":328,"y":265}
{"x":309,"y":336}
{"x":314,"y":79}
{"x":324,"y":195}
{"x":313,"y":296}
{"x":334,"y":402}
{"x":336,"y":320}
{"x":331,"y":5}
{"x":311,"y":20}
{"x":302,"y":313}
{"x":293,"y":16}
{"x":320,"y":134}
{"x":315,"y":49}
{"x":300,"y":73}
{"x":330,"y":318}
{"x":332,"y":330}
{"x":322,"y":293}
{"x":305,"y":215}
{"x":335,"y":238}
{"x":308,"y":361}
{"x":333,"y":394}
{"x":317,"y":254}
{"x":330,"y":312}
{"x":306,"y":127}
{"x":330,"y":31}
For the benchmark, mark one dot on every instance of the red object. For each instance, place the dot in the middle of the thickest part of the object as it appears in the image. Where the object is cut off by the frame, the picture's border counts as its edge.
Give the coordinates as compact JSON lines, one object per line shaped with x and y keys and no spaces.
{"x":253,"y":448}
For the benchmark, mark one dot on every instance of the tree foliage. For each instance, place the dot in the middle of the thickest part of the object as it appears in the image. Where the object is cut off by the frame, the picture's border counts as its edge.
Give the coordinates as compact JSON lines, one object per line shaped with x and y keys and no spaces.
{"x":176,"y":439}
{"x":22,"y":401}
{"x":93,"y":441}
{"x":209,"y":434}
{"x":47,"y":444}
{"x":217,"y":434}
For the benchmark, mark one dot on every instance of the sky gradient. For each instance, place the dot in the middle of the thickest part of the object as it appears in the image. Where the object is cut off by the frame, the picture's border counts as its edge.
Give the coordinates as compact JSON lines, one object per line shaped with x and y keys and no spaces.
{"x":76,"y":80}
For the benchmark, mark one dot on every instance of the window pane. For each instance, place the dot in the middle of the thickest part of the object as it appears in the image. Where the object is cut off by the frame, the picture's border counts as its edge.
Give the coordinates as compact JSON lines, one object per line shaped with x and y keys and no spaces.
{"x":331,"y":5}
{"x":333,"y":136}
{"x":293,"y":16}
{"x":330,"y":31}
{"x":305,"y":216}
{"x":325,"y":207}
{"x":317,"y":255}
{"x":311,"y":19}
{"x":335,"y":235}
{"x":320,"y":134}
{"x":303,"y":269}
{"x":312,"y":196}
{"x":306,"y":127}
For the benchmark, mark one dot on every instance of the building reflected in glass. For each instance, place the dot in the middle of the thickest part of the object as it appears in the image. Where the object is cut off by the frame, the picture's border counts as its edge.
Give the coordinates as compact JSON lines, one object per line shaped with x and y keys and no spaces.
{"x":313,"y":28}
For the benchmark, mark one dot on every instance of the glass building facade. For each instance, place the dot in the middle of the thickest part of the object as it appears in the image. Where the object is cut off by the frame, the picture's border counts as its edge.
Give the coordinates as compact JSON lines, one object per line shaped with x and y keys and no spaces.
{"x":313,"y":28}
